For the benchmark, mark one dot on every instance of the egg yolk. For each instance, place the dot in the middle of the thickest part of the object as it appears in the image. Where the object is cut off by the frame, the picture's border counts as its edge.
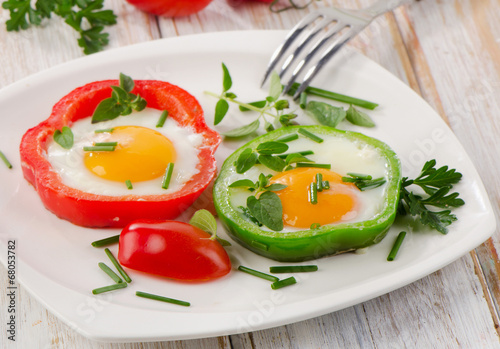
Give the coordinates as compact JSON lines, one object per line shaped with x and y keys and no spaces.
{"x":333,"y":205}
{"x":141,"y":154}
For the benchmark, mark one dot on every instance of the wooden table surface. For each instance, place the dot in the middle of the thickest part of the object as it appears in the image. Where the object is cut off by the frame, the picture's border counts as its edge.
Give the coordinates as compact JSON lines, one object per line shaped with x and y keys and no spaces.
{"x":446,"y":50}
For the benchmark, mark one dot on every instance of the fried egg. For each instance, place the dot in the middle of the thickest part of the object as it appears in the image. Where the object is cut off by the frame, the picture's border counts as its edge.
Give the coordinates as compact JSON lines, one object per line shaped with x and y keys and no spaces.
{"x":141,"y":155}
{"x":343,"y":202}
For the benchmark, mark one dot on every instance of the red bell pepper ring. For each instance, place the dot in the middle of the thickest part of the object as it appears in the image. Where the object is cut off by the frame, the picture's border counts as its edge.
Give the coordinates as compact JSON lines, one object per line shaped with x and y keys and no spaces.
{"x":91,"y":210}
{"x":172,"y":249}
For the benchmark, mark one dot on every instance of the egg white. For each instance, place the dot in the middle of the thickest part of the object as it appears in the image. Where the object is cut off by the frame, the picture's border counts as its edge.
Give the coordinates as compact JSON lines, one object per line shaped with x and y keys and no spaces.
{"x":69,"y":163}
{"x":345,"y":156}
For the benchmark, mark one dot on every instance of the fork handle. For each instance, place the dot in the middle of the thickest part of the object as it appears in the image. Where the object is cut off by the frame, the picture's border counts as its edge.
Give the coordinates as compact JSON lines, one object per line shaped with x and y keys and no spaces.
{"x":383,"y":6}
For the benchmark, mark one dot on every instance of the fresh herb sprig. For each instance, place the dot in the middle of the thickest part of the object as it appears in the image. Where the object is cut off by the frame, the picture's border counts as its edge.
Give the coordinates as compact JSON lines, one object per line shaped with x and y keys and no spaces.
{"x":121,"y":102}
{"x":84,"y":16}
{"x":264,"y":209}
{"x":436,"y":184}
{"x":273,"y":109}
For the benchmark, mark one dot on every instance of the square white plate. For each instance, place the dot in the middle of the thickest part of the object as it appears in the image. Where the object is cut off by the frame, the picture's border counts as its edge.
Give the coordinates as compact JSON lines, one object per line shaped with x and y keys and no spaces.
{"x":58,"y":266}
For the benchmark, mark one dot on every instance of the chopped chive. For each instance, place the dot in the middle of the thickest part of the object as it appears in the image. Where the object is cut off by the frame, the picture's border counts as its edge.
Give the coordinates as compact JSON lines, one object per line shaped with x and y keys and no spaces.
{"x":162,"y":299}
{"x":288,"y":138}
{"x":313,"y":193}
{"x":103,"y":144}
{"x":319,"y":181}
{"x":370,"y":184}
{"x":396,"y":246}
{"x":349,"y":179}
{"x":310,"y":135}
{"x":326,"y":184}
{"x":283,"y":283}
{"x":303,"y":153}
{"x":99,"y":148}
{"x":129,"y":185}
{"x":310,"y":164}
{"x":110,"y":272}
{"x":359,"y":175}
{"x":334,"y":96}
{"x":315,"y":226}
{"x":109,"y":288}
{"x":303,"y":100}
{"x":107,"y":241}
{"x":258,"y":274}
{"x":117,"y":265}
{"x":104,"y":130}
{"x":168,"y":176}
{"x":163,"y":118}
{"x":293,"y":269}
{"x":4,"y":159}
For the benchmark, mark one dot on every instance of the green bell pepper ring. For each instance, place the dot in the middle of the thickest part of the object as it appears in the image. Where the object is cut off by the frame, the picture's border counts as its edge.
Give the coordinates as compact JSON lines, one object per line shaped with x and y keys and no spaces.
{"x":301,"y":245}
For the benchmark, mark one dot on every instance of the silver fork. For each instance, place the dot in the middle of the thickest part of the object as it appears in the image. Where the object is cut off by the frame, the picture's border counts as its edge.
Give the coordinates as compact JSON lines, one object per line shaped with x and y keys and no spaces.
{"x":346,"y":25}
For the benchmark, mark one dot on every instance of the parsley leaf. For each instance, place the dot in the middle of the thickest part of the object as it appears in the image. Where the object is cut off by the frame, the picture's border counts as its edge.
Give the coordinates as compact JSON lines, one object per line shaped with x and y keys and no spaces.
{"x":436,"y":184}
{"x":85,"y":16}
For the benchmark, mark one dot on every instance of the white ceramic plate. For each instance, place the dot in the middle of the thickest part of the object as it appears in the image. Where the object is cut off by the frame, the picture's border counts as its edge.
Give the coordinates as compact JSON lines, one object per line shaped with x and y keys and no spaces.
{"x":59,"y":267}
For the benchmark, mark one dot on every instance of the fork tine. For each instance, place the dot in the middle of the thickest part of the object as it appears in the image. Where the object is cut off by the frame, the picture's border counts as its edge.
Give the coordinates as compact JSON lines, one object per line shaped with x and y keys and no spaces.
{"x":292,"y":35}
{"x":293,"y":55}
{"x":313,"y":71}
{"x":332,"y":33}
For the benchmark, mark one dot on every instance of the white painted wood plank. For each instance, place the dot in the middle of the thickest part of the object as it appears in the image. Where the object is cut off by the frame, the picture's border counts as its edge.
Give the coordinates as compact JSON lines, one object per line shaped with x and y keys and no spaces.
{"x":364,"y":325}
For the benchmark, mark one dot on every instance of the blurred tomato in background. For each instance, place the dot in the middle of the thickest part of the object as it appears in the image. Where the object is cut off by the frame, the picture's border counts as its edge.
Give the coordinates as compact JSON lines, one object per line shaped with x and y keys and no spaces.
{"x":170,"y":8}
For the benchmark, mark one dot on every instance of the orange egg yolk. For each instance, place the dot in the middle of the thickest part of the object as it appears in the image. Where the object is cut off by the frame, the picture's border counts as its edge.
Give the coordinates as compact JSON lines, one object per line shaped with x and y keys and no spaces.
{"x":333,"y":205}
{"x":141,"y":154}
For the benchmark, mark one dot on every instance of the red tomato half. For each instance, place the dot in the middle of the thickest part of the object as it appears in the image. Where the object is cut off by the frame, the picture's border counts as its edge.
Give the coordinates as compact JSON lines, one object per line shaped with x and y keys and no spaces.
{"x":170,"y":8}
{"x":172,"y":249}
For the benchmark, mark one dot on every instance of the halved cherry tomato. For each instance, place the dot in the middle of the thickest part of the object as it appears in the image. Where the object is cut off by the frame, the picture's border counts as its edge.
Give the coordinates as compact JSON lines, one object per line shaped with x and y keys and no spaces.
{"x":170,"y":8}
{"x":172,"y":249}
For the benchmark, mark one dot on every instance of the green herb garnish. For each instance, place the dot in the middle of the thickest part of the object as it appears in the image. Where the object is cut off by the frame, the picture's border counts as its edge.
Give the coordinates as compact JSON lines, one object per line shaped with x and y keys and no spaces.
{"x":86,"y":17}
{"x":109,"y":288}
{"x":310,"y":135}
{"x":121,"y":102}
{"x":204,"y":220}
{"x":313,"y":193}
{"x":110,"y":272}
{"x":359,"y":118}
{"x":99,"y":148}
{"x":363,"y":181}
{"x":258,"y":274}
{"x":283,"y":283}
{"x":293,"y":269}
{"x":314,"y":91}
{"x":396,"y":246}
{"x":112,"y":144}
{"x":162,"y":299}
{"x":436,"y":184}
{"x":168,"y":176}
{"x":163,"y":118}
{"x":129,"y":185}
{"x":117,"y":265}
{"x":107,"y":241}
{"x":104,"y":130}
{"x":267,"y":209}
{"x":246,"y":160}
{"x":325,"y":113}
{"x":314,"y":165}
{"x":64,"y":137}
{"x":5,"y":160}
